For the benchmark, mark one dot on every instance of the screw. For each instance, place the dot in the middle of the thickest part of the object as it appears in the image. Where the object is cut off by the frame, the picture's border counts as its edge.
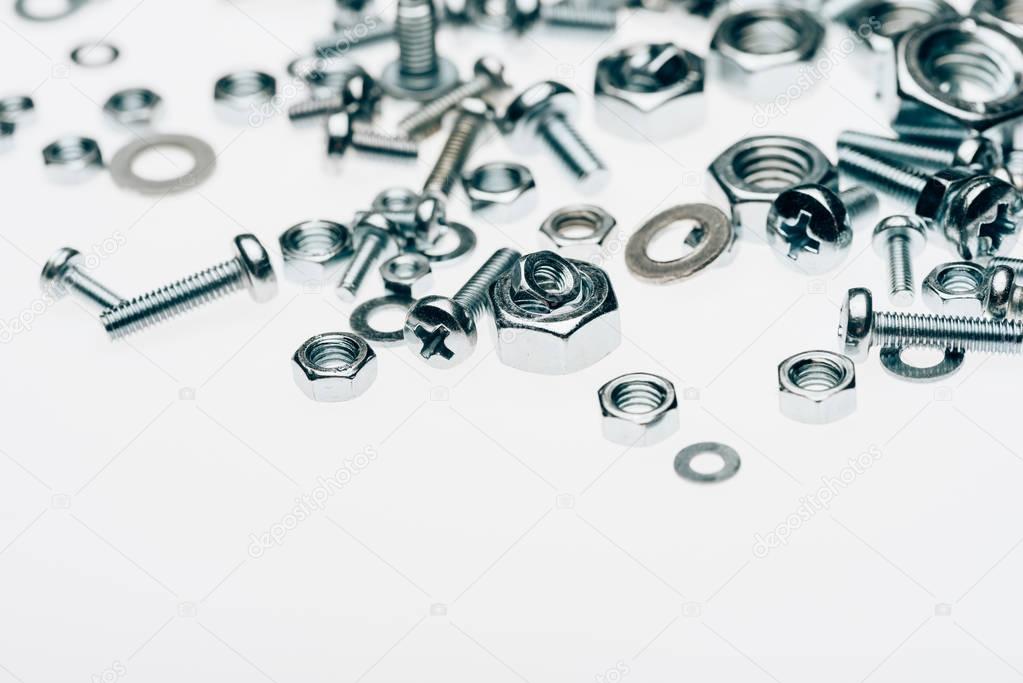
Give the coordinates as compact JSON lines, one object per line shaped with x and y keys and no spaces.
{"x":940,"y":134}
{"x":860,"y":327}
{"x":473,"y":115}
{"x":64,"y":273}
{"x":1014,"y":263}
{"x":572,"y":15}
{"x":489,"y":76}
{"x":442,"y":330}
{"x":374,"y":236}
{"x":902,"y":182}
{"x":542,"y":110}
{"x":419,"y":73}
{"x":358,"y":95}
{"x":249,"y":269}
{"x":970,"y":151}
{"x":896,"y":239}
{"x":369,"y":29}
{"x":343,"y":130}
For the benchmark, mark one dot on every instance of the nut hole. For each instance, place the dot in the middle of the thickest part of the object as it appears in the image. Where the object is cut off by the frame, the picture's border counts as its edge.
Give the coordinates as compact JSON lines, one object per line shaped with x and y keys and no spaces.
{"x":762,"y":35}
{"x":497,"y":179}
{"x":639,"y":396}
{"x":554,"y":277}
{"x":531,"y":304}
{"x":961,"y":65}
{"x":576,"y":225}
{"x":315,"y":239}
{"x":772,"y":167}
{"x":817,"y":374}
{"x":334,"y":353}
{"x":960,"y":279}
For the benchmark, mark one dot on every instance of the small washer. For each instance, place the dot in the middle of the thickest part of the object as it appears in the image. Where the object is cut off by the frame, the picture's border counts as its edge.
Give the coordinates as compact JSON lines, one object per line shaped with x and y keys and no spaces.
{"x":465,"y":244}
{"x":716,"y":239}
{"x":727,"y":454}
{"x":891,"y":360}
{"x":359,"y":319}
{"x":22,"y":7}
{"x":95,"y":54}
{"x":203,"y":157}
{"x":245,"y":89}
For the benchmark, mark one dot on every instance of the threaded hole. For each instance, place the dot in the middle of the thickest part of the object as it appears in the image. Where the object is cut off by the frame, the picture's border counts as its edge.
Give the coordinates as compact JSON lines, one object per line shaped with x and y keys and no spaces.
{"x":334,"y":353}
{"x":636,"y":75}
{"x":962,"y":65}
{"x":554,"y":277}
{"x":762,"y":35}
{"x":895,"y":19}
{"x":71,"y":149}
{"x":497,"y":178}
{"x":531,"y":304}
{"x":639,"y":396}
{"x":772,"y":167}
{"x":576,"y":224}
{"x":961,"y":279}
{"x":397,"y":200}
{"x":816,"y":374}
{"x":315,"y":239}
{"x":245,"y":83}
{"x":134,"y":99}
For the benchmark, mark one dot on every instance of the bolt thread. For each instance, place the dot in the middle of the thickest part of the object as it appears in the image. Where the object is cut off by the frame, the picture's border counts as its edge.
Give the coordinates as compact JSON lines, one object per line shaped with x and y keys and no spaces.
{"x":952,"y":332}
{"x":453,"y":156}
{"x":859,"y":200}
{"x":369,"y":251}
{"x":900,"y":270}
{"x":370,"y":140}
{"x":573,"y":16}
{"x":1014,"y":263}
{"x":429,"y":115}
{"x":939,"y":134}
{"x":930,"y":154}
{"x":82,"y":284}
{"x":570,"y":147}
{"x":891,"y":178}
{"x":371,"y":29}
{"x":129,"y":317}
{"x":417,"y":29}
{"x":320,"y":106}
{"x":474,"y":296}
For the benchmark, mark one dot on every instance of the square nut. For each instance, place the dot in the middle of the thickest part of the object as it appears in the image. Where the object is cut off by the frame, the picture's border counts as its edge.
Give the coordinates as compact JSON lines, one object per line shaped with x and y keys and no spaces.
{"x":638,"y":409}
{"x":817,"y":387}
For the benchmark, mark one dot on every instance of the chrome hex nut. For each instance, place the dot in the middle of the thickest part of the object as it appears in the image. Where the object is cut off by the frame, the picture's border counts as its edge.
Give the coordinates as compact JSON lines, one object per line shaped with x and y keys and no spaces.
{"x":313,"y":250}
{"x":817,"y":387}
{"x":408,"y":274}
{"x":580,"y":231}
{"x":761,"y":52}
{"x":956,"y":288}
{"x":651,"y":90}
{"x":133,"y":106}
{"x":547,"y":279}
{"x":534,"y":338}
{"x":638,"y":409}
{"x":504,"y":190}
{"x":334,"y":366}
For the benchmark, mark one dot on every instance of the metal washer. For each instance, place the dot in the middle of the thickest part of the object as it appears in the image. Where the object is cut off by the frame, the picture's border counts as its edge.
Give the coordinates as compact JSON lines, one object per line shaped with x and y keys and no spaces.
{"x":717,"y":238}
{"x":203,"y":157}
{"x":727,"y":454}
{"x":359,"y":319}
{"x":466,"y":242}
{"x":891,"y":360}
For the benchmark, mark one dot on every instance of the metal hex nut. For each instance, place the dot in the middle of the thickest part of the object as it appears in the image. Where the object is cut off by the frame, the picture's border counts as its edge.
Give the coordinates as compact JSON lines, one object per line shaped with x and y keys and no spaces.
{"x":956,"y":288}
{"x":312,"y":250}
{"x":503,"y":189}
{"x":334,"y":366}
{"x":580,"y":231}
{"x":407,"y":275}
{"x":133,"y":106}
{"x":548,"y":278}
{"x":638,"y":409}
{"x":817,"y":387}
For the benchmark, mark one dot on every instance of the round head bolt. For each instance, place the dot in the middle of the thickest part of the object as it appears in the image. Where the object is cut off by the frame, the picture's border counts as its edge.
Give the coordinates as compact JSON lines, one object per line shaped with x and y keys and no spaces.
{"x":56,"y":268}
{"x":810,"y":226}
{"x":441,"y":330}
{"x":897,"y":239}
{"x":1001,"y":288}
{"x":978,"y":152}
{"x":259,"y":272}
{"x":490,"y":70}
{"x":856,"y":323}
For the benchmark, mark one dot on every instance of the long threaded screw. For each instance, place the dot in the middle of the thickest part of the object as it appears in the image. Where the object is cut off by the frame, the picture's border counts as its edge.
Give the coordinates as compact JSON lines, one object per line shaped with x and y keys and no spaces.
{"x":249,"y":269}
{"x":371,"y":29}
{"x":441,"y":330}
{"x":374,"y":240}
{"x":964,"y":152}
{"x":65,"y":273}
{"x":938,"y":134}
{"x":472,"y":117}
{"x":902,"y":182}
{"x":570,"y":15}
{"x":896,"y":239}
{"x":367,"y":139}
{"x":1014,"y":263}
{"x":489,"y":77}
{"x":317,"y":107}
{"x":571,"y":148}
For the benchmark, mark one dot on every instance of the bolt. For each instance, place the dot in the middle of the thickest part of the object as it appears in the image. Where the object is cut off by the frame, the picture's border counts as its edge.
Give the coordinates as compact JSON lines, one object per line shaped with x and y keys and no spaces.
{"x":419,"y":73}
{"x":900,"y":181}
{"x":359,"y":96}
{"x":543,"y":110}
{"x":572,"y":15}
{"x":369,"y":29}
{"x":374,"y":239}
{"x":1014,"y":263}
{"x":473,"y":115}
{"x":860,"y":327}
{"x":442,"y":330}
{"x":65,"y":273}
{"x":896,"y":239}
{"x":489,"y":76}
{"x":811,"y":225}
{"x":249,"y":269}
{"x":1004,"y":296}
{"x":974,"y":151}
{"x":945,"y":134}
{"x":344,"y":131}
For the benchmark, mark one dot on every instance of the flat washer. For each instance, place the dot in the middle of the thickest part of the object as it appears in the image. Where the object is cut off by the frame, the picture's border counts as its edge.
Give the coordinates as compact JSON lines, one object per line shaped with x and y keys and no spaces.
{"x":359,"y":320}
{"x":203,"y":157}
{"x":717,"y":238}
{"x":727,"y":454}
{"x":107,"y":54}
{"x":466,"y":243}
{"x":891,"y":360}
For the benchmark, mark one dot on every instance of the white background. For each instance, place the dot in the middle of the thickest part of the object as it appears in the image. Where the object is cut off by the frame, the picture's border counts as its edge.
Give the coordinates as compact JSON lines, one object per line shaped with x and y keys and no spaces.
{"x":493,"y":534}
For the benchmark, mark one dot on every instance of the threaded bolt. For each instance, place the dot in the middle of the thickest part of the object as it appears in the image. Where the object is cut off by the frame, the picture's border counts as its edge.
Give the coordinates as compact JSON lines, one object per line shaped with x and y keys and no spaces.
{"x":443,"y":331}
{"x":562,"y":137}
{"x":374,"y":238}
{"x":570,"y":15}
{"x":317,"y":107}
{"x":367,"y":139}
{"x":65,"y":273}
{"x":249,"y":269}
{"x":1014,"y":263}
{"x":896,"y":239}
{"x":370,"y":29}
{"x":902,"y":182}
{"x":969,"y":151}
{"x":924,"y":133}
{"x":473,"y":115}
{"x":489,"y":77}
{"x":860,"y":327}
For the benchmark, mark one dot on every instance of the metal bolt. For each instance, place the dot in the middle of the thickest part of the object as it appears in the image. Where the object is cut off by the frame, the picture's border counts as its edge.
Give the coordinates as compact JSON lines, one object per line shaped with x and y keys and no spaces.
{"x":898,"y":180}
{"x":543,"y":111}
{"x":861,"y":327}
{"x":250,"y":269}
{"x":359,"y":95}
{"x":473,"y":115}
{"x":442,"y":330}
{"x":370,"y":29}
{"x":343,"y":131}
{"x":940,"y":134}
{"x":315,"y":108}
{"x":374,"y":238}
{"x":1014,"y":263}
{"x":572,"y":15}
{"x":489,"y":76}
{"x":969,"y":151}
{"x":896,"y":239}
{"x":419,"y":73}
{"x":64,"y":273}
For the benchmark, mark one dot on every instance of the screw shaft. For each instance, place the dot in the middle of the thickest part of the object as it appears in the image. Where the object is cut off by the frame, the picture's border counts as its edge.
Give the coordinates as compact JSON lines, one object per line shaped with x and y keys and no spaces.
{"x":1014,"y":263}
{"x":858,"y":200}
{"x":569,"y":15}
{"x":417,"y":33}
{"x":901,"y":288}
{"x":930,"y":154}
{"x":313,"y":108}
{"x":939,"y":134}
{"x":430,"y":114}
{"x":951,"y":332}
{"x":453,"y":156}
{"x":370,"y":140}
{"x":568,"y":144}
{"x":473,"y":295}
{"x":369,"y":251}
{"x":79,"y":282}
{"x":901,"y":182}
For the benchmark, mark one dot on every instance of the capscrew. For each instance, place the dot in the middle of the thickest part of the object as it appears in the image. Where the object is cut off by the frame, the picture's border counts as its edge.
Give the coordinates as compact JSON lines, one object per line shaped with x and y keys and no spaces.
{"x":974,"y":150}
{"x":249,"y":269}
{"x":419,"y":73}
{"x":64,"y":273}
{"x":442,"y":330}
{"x":896,"y":239}
{"x":861,"y":327}
{"x":370,"y":29}
{"x":489,"y":76}
{"x":473,"y":115}
{"x":374,"y":238}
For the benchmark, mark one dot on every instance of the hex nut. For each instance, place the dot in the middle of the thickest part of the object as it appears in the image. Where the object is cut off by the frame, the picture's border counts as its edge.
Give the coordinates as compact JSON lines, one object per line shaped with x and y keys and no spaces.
{"x":398,"y":205}
{"x":313,"y":250}
{"x":133,"y":106}
{"x":762,"y":51}
{"x":72,"y":158}
{"x":534,"y":338}
{"x":650,"y":90}
{"x":547,"y":278}
{"x":579,"y":231}
{"x":243,"y":90}
{"x":334,"y":366}
{"x":817,"y":387}
{"x":408,"y":275}
{"x":956,"y":288}
{"x":1004,"y":13}
{"x":638,"y":409}
{"x":503,"y":190}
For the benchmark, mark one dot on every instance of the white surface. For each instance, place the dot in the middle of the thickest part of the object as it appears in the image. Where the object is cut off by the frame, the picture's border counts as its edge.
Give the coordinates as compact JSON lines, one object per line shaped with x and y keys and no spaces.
{"x":492,"y":534}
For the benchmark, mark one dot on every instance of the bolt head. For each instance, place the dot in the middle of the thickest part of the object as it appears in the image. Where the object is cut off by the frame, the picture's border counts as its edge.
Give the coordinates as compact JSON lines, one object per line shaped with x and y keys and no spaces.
{"x":476,"y":106}
{"x":440,"y":331}
{"x":55,"y":268}
{"x":856,"y":323}
{"x":912,"y":228}
{"x":998,"y":297}
{"x":535,"y":103}
{"x":810,"y":227}
{"x":261,"y":279}
{"x":490,"y":67}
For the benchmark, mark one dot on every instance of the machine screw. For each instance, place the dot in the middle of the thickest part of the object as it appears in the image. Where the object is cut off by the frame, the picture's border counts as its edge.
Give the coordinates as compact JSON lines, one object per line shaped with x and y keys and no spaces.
{"x":573,"y":15}
{"x":249,"y":269}
{"x":344,"y":131}
{"x":860,"y":327}
{"x":374,"y":238}
{"x":896,"y":239}
{"x":902,"y":182}
{"x":1014,"y":263}
{"x":473,"y":115}
{"x":938,"y":134}
{"x":64,"y":273}
{"x":419,"y":73}
{"x":543,"y":111}
{"x":442,"y":330}
{"x":968,"y":151}
{"x":317,"y":107}
{"x":489,"y":76}
{"x":369,"y":29}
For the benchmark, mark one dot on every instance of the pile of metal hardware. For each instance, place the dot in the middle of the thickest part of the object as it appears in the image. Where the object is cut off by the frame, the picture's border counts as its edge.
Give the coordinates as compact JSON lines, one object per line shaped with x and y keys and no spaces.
{"x":953,"y":86}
